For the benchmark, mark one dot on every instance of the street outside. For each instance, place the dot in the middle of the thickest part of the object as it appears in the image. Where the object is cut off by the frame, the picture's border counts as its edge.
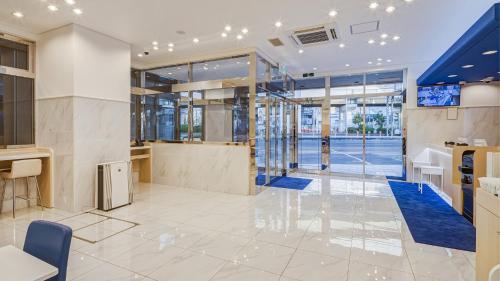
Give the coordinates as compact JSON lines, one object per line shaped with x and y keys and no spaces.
{"x":383,"y":154}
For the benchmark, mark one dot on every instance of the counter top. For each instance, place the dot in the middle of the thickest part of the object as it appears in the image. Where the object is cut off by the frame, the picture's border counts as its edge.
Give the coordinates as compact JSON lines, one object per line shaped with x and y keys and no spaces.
{"x":18,"y":154}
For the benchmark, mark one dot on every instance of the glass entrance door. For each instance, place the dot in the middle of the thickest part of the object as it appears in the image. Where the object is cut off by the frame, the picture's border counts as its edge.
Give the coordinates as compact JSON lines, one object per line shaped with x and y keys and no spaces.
{"x":270,"y":134}
{"x":309,"y":133}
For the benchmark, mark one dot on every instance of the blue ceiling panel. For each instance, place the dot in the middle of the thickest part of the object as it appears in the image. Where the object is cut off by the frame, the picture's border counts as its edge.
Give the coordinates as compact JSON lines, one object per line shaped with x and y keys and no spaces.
{"x":483,"y":36}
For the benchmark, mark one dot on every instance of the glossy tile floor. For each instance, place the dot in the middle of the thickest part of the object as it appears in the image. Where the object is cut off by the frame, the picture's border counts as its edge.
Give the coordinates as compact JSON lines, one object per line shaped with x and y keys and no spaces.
{"x":336,"y":229}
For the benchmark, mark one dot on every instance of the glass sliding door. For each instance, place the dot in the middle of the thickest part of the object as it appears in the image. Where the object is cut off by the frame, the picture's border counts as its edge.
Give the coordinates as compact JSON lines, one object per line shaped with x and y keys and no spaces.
{"x":309,"y":150}
{"x":346,"y":136}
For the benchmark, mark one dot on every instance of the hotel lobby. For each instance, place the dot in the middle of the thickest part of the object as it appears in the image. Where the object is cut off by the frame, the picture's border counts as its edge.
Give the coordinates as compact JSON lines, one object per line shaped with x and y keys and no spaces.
{"x":248,"y":140}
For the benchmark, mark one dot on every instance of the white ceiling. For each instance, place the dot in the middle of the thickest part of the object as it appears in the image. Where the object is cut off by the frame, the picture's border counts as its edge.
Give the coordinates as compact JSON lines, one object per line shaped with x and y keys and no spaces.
{"x":427,"y":28}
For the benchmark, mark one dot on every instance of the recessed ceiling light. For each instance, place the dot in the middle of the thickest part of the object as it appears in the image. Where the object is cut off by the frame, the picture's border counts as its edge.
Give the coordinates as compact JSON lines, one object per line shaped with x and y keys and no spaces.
{"x":170,"y":73}
{"x":315,"y":68}
{"x":53,"y":8}
{"x":155,"y":43}
{"x":140,"y":55}
{"x":342,"y":45}
{"x":278,"y":24}
{"x":373,"y":5}
{"x":408,"y":1}
{"x":171,"y":45}
{"x":491,"y":52}
{"x":371,"y":41}
{"x":70,"y":2}
{"x":196,"y":40}
{"x":347,"y":65}
{"x":332,"y":13}
{"x":155,"y":48}
{"x":379,"y":63}
{"x":248,"y":62}
{"x":452,"y":76}
{"x":468,"y":66}
{"x":239,"y":36}
{"x":227,"y":28}
{"x":223,"y":34}
{"x":244,"y":30}
{"x":379,"y":59}
{"x":388,"y":60}
{"x":370,"y":62}
{"x":390,"y":9}
{"x":383,"y":43}
{"x":18,"y":14}
{"x":396,"y":38}
{"x":301,"y":51}
{"x":170,"y":49}
{"x":78,"y":11}
{"x":384,"y":35}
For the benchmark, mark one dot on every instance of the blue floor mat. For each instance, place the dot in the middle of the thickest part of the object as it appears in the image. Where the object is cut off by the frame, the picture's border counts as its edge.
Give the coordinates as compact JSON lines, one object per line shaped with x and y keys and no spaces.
{"x":284,"y":182}
{"x":431,"y":220}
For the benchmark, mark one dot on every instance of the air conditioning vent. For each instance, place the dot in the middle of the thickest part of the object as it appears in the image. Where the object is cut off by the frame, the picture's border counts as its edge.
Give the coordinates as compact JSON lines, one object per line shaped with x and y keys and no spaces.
{"x":314,"y":35}
{"x":276,"y":42}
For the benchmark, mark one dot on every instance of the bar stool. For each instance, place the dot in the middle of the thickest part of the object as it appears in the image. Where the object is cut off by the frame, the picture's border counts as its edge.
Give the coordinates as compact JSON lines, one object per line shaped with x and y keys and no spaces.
{"x":23,"y":169}
{"x":431,"y":171}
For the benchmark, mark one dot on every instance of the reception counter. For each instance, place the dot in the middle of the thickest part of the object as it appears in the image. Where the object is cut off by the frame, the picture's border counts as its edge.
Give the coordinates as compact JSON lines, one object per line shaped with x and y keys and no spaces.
{"x":450,"y":159}
{"x":209,"y":166}
{"x":45,"y":180}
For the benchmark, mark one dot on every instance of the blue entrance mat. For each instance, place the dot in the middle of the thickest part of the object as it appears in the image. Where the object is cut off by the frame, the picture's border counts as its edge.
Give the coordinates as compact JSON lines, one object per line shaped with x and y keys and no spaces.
{"x":431,"y":220}
{"x":284,"y":182}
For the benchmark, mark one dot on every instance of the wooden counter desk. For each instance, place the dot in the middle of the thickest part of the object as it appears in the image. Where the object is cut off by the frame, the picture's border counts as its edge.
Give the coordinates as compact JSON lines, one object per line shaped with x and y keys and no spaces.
{"x":479,"y":159}
{"x":45,"y":180}
{"x":141,"y":158}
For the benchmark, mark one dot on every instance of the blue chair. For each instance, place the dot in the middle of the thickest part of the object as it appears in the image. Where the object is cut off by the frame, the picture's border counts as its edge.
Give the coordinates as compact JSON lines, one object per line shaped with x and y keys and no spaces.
{"x":50,"y":242}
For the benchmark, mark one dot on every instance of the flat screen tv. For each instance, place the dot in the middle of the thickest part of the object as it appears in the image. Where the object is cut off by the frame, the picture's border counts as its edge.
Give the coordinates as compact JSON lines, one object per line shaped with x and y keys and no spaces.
{"x":442,"y":95}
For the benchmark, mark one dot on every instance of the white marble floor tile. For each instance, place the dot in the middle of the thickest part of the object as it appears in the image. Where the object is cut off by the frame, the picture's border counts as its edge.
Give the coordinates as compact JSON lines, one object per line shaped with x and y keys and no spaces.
{"x":112,"y":247}
{"x":146,"y":257}
{"x":265,"y":256}
{"x":334,"y":244}
{"x":190,"y":266}
{"x":109,"y":272}
{"x":221,"y":245}
{"x":308,"y":266}
{"x":238,"y":272}
{"x":366,"y":272}
{"x":79,"y":264}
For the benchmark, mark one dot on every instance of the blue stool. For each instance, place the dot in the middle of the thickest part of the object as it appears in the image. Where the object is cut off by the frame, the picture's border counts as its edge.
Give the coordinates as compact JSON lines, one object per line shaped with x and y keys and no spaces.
{"x":50,"y":242}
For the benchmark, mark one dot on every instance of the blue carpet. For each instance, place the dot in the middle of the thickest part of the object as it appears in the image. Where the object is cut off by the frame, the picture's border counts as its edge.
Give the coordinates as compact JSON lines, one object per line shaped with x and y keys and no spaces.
{"x":431,"y":220}
{"x":284,"y":182}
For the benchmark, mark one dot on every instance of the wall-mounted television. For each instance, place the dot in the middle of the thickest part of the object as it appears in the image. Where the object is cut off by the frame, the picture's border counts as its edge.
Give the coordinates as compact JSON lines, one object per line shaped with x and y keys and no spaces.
{"x":441,"y":95}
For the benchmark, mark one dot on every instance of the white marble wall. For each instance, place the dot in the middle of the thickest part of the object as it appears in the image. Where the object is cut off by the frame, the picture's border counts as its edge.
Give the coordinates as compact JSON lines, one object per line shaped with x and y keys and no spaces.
{"x":211,"y":167}
{"x":54,"y":128}
{"x":100,"y":136}
{"x":82,"y":132}
{"x":432,"y":127}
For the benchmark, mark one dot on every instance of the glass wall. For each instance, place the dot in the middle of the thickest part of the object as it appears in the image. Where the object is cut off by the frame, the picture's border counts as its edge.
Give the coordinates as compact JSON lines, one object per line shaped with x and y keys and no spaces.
{"x":366,"y":124}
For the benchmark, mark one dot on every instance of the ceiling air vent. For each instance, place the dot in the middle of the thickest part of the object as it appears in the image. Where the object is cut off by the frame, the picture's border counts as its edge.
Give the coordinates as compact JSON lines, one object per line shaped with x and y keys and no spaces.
{"x":314,"y":35}
{"x":276,"y":42}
